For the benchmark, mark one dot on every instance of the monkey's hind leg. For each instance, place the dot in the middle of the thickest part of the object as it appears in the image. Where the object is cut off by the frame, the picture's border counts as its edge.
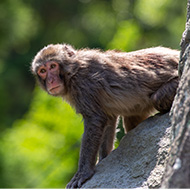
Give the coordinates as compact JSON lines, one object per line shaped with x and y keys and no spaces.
{"x":163,"y":98}
{"x":107,"y":144}
{"x":130,"y":122}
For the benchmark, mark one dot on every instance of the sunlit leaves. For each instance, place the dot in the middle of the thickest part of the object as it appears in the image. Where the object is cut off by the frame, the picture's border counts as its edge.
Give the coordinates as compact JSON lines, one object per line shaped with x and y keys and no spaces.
{"x":18,"y":25}
{"x":152,"y":12}
{"x":45,"y":143}
{"x":126,"y":37}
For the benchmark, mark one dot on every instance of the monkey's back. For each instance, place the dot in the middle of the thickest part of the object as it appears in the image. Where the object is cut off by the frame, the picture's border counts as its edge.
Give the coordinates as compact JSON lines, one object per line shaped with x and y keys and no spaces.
{"x":122,"y":83}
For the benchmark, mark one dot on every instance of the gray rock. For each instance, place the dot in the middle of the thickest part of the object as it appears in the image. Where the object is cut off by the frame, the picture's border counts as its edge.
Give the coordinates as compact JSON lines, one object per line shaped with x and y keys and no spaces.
{"x":139,"y":161}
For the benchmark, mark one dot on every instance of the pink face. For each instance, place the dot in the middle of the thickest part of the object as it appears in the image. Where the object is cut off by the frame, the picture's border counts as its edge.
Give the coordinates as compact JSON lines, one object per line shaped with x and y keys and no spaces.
{"x":50,"y":73}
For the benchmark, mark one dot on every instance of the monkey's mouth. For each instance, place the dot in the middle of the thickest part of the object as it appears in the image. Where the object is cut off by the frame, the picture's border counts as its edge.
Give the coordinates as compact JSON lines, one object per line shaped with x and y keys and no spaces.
{"x":56,"y":89}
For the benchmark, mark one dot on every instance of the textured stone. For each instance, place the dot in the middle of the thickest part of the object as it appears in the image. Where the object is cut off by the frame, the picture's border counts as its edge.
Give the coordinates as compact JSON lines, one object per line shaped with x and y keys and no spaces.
{"x":139,"y":161}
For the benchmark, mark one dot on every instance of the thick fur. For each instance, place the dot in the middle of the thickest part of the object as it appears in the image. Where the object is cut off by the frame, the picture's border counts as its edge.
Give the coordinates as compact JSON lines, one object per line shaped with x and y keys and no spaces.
{"x":103,"y":85}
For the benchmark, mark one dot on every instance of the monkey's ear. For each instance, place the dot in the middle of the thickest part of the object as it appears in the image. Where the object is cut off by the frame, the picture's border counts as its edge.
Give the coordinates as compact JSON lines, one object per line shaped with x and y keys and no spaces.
{"x":69,"y":50}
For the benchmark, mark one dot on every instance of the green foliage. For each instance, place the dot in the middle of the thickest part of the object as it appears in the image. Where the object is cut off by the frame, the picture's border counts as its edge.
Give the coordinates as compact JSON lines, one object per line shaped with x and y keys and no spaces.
{"x":42,"y":148}
{"x":40,"y":135}
{"x":129,"y":31}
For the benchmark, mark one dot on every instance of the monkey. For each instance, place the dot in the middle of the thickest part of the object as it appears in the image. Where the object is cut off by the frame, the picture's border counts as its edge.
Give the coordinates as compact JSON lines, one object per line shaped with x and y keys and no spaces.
{"x":102,"y":85}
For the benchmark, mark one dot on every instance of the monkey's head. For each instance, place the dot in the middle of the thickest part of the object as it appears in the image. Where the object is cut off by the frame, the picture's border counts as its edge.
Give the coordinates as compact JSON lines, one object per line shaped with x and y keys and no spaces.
{"x":52,"y":66}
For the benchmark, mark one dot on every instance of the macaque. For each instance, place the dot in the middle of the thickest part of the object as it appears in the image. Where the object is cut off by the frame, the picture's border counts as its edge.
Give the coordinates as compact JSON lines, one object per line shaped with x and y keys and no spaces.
{"x":104,"y":85}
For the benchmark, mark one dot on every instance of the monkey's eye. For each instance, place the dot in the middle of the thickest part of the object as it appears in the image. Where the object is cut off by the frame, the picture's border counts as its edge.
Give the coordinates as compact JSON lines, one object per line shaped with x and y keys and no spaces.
{"x":42,"y":71}
{"x":53,"y":65}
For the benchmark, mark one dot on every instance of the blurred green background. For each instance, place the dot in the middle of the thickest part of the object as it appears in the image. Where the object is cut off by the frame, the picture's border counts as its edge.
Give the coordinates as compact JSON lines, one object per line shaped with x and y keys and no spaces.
{"x":40,"y":135}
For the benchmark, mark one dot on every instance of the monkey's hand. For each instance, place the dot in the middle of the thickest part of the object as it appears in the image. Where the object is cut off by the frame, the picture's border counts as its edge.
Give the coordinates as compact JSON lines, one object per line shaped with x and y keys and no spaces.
{"x":79,"y":178}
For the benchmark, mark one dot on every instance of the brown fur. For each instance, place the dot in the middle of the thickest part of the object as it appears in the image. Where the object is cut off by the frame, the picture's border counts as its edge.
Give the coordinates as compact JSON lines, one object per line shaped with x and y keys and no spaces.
{"x":103,"y":85}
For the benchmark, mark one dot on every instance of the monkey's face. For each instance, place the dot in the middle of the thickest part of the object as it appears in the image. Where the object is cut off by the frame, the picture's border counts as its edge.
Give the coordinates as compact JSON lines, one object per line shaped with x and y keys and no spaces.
{"x":49,"y":73}
{"x":53,"y":66}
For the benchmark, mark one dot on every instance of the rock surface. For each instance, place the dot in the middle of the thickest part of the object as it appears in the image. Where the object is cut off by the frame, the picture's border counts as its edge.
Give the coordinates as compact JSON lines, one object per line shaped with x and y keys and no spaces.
{"x":177,"y":173}
{"x":139,"y":161}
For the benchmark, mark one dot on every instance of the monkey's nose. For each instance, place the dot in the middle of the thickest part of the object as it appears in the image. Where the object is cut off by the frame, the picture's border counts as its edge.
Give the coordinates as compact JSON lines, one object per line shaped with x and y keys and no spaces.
{"x":50,"y":80}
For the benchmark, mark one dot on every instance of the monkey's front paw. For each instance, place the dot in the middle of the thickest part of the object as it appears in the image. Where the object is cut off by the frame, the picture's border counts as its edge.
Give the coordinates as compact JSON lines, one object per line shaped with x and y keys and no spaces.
{"x":79,"y":178}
